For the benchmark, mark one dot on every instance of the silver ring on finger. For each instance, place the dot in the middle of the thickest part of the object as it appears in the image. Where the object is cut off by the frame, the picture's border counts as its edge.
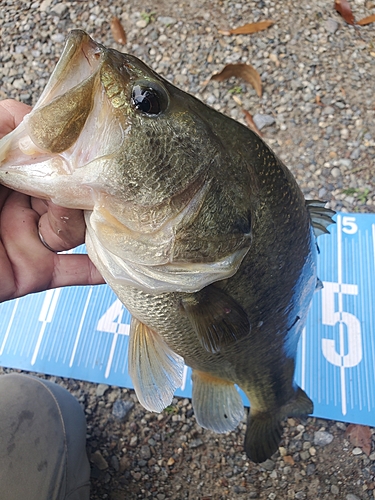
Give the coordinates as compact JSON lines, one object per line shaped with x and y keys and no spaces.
{"x":45,"y":243}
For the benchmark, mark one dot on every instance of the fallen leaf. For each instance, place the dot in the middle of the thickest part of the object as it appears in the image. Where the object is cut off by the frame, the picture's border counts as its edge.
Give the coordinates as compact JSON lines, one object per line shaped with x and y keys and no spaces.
{"x":288,"y":460}
{"x":360,"y":435}
{"x":118,"y":31}
{"x":250,"y":122}
{"x":318,"y":101}
{"x":237,"y":100}
{"x":241,"y":70}
{"x":249,"y":28}
{"x":343,"y":8}
{"x":367,"y":20}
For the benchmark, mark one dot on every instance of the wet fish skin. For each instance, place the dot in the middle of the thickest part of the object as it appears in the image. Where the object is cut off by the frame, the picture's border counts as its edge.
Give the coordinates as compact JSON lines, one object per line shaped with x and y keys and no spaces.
{"x":194,"y":222}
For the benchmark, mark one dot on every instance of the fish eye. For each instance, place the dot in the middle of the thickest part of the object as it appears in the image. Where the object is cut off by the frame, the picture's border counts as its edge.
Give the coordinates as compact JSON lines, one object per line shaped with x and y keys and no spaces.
{"x":147,"y":99}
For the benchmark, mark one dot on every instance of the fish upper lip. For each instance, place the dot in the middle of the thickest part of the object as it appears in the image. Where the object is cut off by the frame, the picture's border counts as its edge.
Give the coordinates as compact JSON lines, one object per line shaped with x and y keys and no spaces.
{"x":81,"y":58}
{"x":91,"y":50}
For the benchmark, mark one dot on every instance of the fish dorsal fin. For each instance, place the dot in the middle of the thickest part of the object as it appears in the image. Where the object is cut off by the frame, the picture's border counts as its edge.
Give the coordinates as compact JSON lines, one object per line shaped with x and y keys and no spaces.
{"x":156,"y":371}
{"x":217,"y":319}
{"x":321,"y":217}
{"x":217,"y":404}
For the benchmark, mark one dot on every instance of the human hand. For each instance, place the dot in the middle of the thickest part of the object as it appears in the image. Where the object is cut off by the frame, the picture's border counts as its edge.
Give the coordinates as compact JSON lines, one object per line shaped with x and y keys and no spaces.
{"x":26,"y":264}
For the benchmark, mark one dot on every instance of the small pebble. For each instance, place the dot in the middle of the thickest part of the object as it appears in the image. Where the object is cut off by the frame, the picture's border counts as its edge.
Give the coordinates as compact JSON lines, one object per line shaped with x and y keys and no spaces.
{"x":98,"y":460}
{"x":334,"y":489}
{"x":166,"y":20}
{"x":142,"y":23}
{"x":59,"y":9}
{"x":262,"y":121}
{"x":195,"y":443}
{"x":145,"y":452}
{"x":58,"y":37}
{"x":335,"y":172}
{"x":121,"y":408}
{"x":133,"y":441}
{"x":268,"y":465}
{"x":45,"y":5}
{"x":331,"y":25}
{"x":355,"y":154}
{"x":101,"y":389}
{"x":322,"y":438}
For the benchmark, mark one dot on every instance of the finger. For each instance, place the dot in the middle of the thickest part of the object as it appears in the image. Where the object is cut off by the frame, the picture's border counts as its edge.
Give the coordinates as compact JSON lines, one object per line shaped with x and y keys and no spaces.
{"x":40,"y":206}
{"x":62,"y":228}
{"x":32,"y":263}
{"x":4,"y":193}
{"x":74,"y":270}
{"x":12,"y":113}
{"x":7,"y":287}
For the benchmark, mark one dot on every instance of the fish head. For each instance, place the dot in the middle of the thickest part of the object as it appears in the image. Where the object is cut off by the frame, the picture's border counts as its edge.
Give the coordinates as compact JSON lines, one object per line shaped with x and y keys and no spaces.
{"x":146,"y":160}
{"x":105,"y":125}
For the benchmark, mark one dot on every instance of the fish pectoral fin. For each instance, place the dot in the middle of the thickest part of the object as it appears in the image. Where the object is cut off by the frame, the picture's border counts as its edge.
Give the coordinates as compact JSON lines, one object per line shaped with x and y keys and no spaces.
{"x":156,"y":371}
{"x":217,"y":403}
{"x":217,"y":319}
{"x":264,"y":430}
{"x":321,"y":217}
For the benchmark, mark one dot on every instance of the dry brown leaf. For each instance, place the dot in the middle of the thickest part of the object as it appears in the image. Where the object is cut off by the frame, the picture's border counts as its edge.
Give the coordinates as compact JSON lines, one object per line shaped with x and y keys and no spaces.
{"x":318,"y":101}
{"x":343,"y":8}
{"x":250,"y":122}
{"x":118,"y":31}
{"x":288,"y":460}
{"x":367,"y":20}
{"x":249,"y":28}
{"x":237,"y":100}
{"x":360,"y":435}
{"x":241,"y":70}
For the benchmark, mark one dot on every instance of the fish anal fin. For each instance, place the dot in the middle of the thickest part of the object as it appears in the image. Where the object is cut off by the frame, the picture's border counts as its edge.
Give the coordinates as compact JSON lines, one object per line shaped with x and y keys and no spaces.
{"x":156,"y":371}
{"x":217,"y":403}
{"x":264,"y":430}
{"x":216,"y":317}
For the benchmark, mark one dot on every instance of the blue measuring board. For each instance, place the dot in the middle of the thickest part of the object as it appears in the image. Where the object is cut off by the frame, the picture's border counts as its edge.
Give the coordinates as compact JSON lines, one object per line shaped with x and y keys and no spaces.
{"x":82,"y":332}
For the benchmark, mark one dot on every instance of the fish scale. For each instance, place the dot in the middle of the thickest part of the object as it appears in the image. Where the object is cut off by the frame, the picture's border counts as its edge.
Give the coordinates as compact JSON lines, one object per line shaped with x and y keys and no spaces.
{"x":197,"y":226}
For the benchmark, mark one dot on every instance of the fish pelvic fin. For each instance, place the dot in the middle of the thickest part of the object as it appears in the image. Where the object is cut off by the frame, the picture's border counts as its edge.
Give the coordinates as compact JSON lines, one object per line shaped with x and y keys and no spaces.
{"x":264,"y":430}
{"x":217,"y":404}
{"x":156,"y":371}
{"x":216,"y":317}
{"x":321,"y":217}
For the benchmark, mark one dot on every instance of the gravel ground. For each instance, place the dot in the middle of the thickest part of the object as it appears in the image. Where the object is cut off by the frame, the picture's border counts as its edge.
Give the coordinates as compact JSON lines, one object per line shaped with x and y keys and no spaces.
{"x":318,"y":96}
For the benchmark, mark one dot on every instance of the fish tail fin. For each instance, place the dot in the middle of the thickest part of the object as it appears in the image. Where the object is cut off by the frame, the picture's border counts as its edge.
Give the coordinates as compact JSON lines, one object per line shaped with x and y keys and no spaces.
{"x":264,"y":430}
{"x":217,"y":403}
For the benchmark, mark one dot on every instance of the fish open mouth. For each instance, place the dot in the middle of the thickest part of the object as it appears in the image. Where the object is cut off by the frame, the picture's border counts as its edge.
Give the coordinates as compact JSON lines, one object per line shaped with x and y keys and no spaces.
{"x":80,"y":59}
{"x":69,"y":135}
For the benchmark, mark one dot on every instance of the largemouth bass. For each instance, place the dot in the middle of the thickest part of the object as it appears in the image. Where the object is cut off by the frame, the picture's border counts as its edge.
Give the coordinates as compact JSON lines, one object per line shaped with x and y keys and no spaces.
{"x":193,"y":221}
